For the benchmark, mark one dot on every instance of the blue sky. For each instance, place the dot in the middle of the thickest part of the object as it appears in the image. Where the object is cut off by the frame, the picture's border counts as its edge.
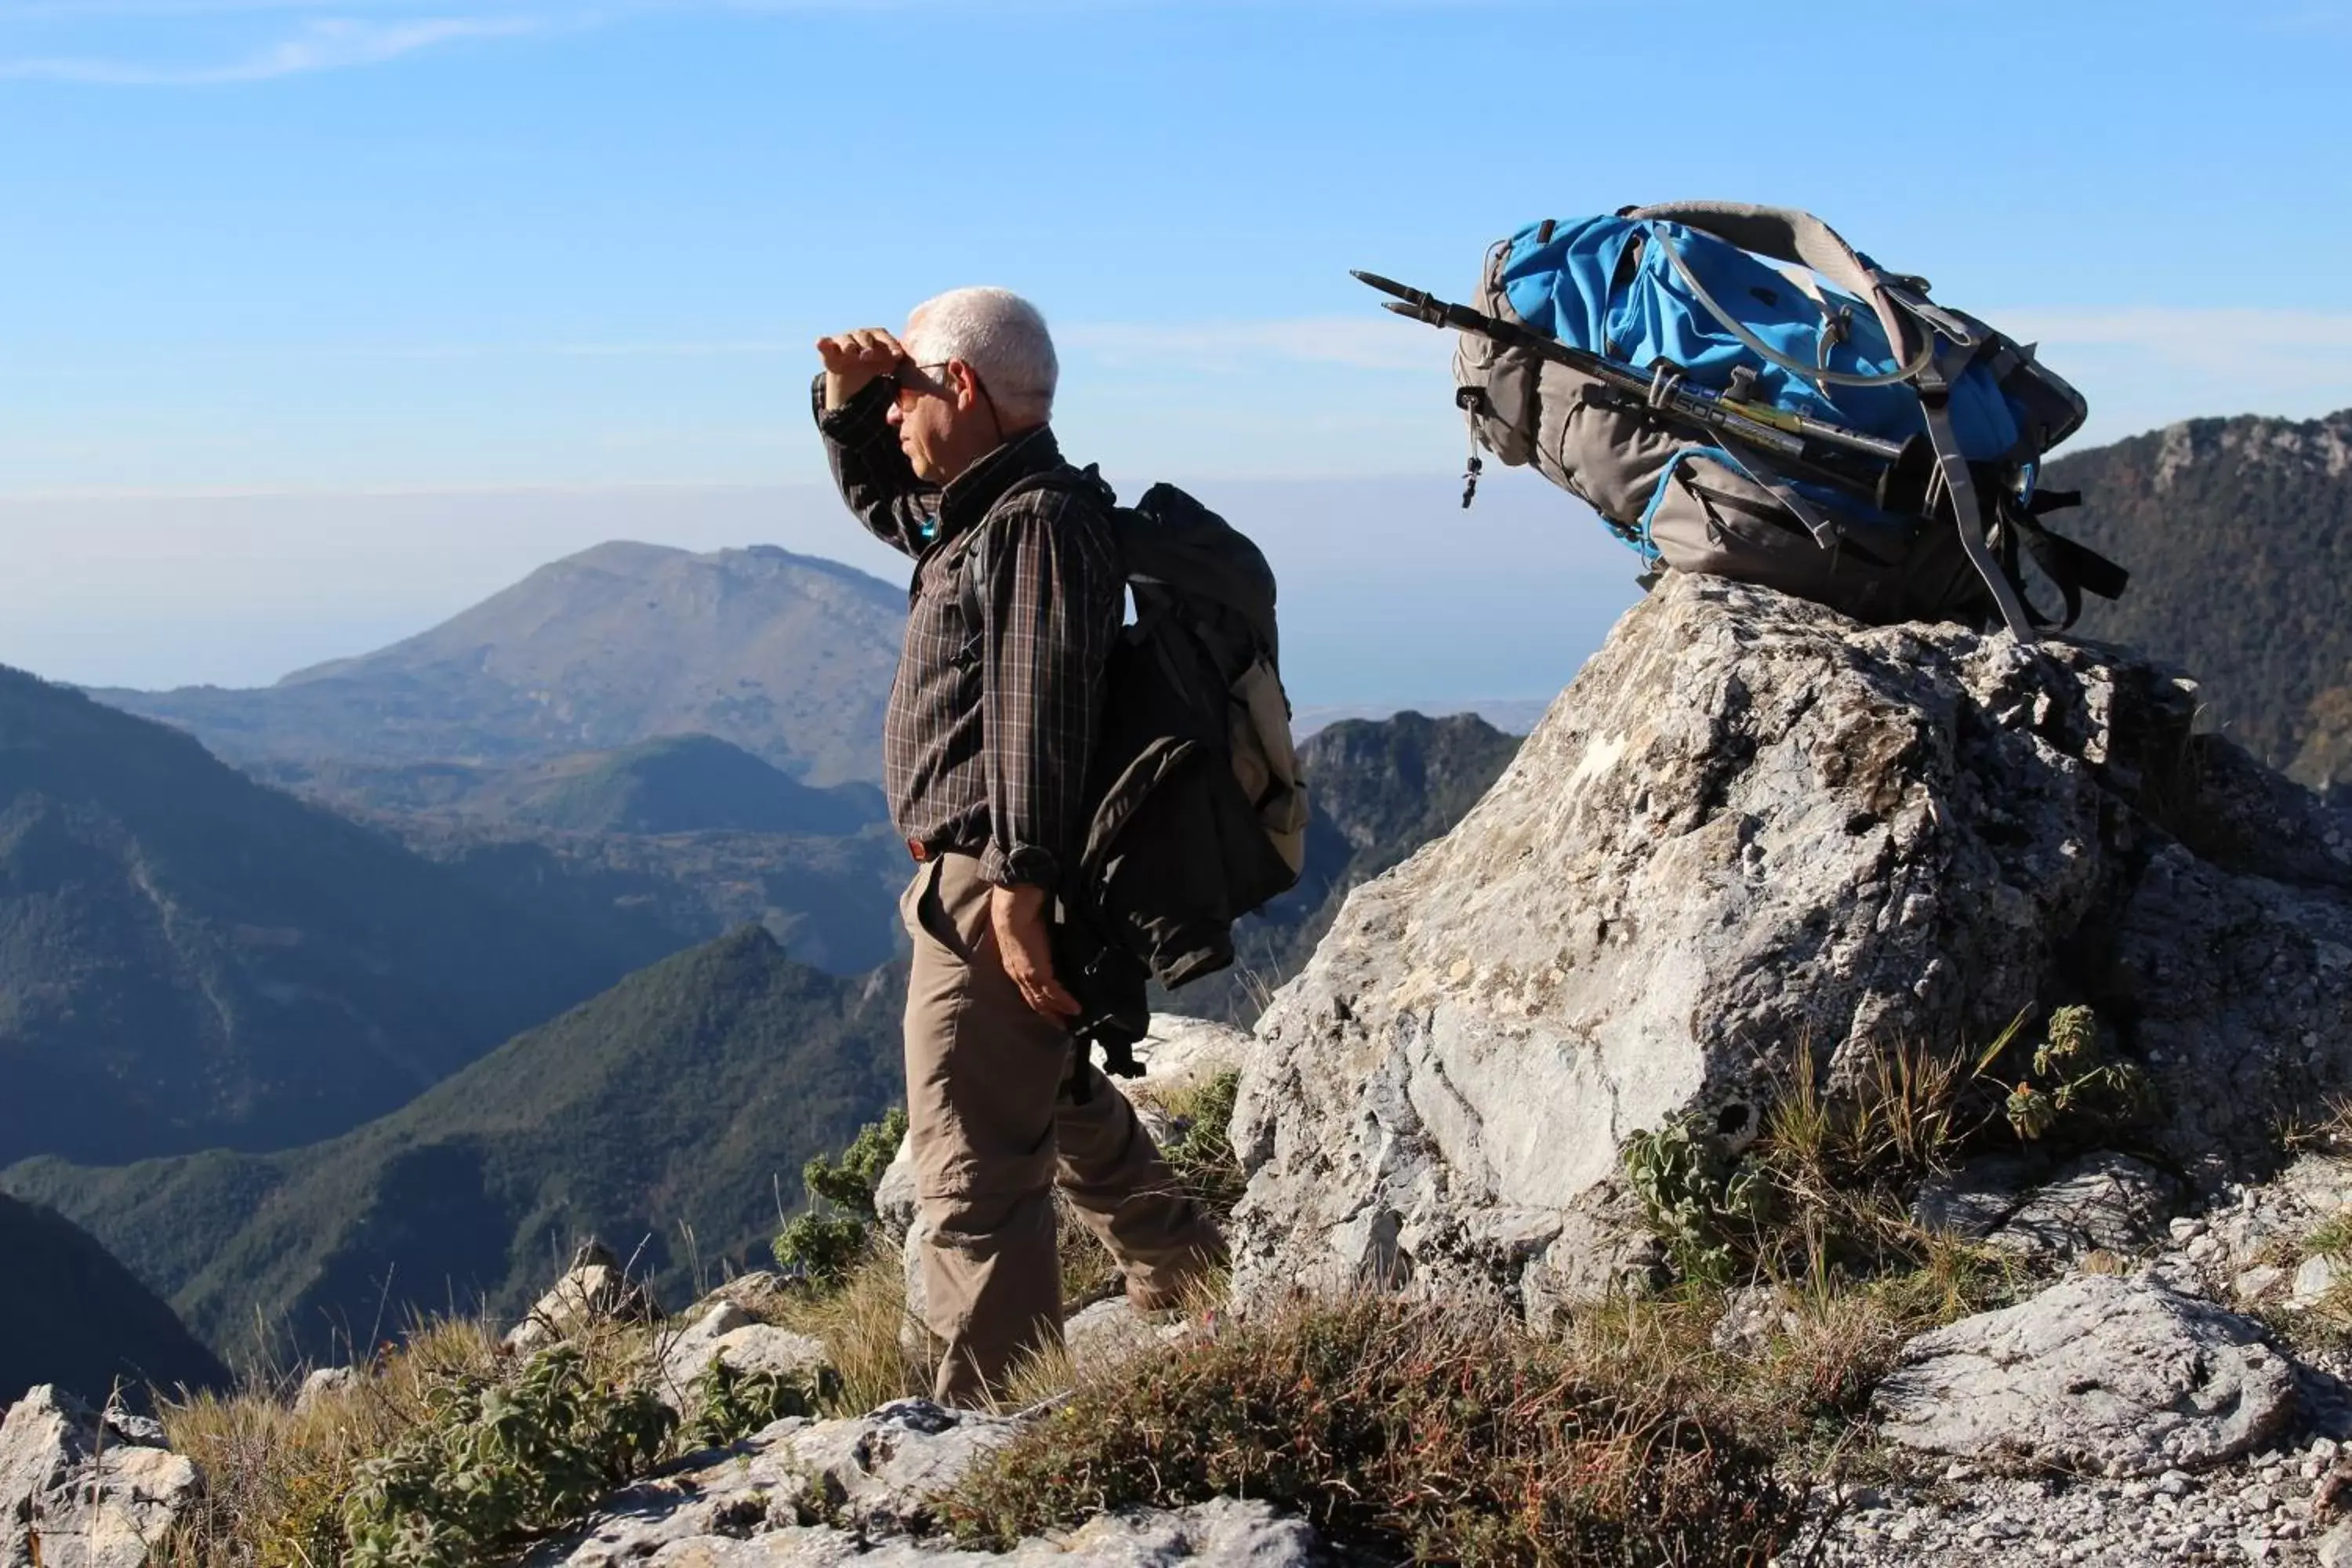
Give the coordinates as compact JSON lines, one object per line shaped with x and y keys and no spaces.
{"x":347,"y":246}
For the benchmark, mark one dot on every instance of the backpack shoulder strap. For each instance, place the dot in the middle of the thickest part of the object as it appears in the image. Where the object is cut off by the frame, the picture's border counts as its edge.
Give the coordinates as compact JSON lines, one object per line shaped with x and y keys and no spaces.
{"x":1062,"y":477}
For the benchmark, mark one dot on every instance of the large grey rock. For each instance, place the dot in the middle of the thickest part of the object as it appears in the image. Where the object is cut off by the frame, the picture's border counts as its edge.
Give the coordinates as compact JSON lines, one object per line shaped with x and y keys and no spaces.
{"x":2104,"y":1201}
{"x":2099,"y":1374}
{"x":1753,"y":831}
{"x":94,"y":1492}
{"x":873,"y":1474}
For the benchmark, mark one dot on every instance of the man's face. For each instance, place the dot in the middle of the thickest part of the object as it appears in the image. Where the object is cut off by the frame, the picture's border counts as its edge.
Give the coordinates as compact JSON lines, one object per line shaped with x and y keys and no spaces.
{"x":927,"y":419}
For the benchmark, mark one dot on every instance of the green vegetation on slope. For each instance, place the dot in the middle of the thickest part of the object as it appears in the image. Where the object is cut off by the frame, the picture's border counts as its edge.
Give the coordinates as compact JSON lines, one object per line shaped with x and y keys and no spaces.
{"x":71,"y":1315}
{"x":687,"y":783}
{"x":673,"y":1114}
{"x":2238,"y":534}
{"x":1380,"y":790}
{"x":674,"y":784}
{"x":189,"y":958}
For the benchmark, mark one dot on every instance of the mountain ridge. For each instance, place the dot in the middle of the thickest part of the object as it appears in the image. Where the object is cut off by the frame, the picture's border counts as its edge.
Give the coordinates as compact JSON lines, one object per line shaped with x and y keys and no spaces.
{"x":789,"y":657}
{"x":2237,"y":533}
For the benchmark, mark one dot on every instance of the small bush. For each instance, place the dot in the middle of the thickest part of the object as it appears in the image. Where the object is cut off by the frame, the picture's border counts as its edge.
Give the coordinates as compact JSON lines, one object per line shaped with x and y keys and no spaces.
{"x":821,"y":1246}
{"x":731,"y":1404}
{"x":1398,"y":1428}
{"x":495,"y":1459}
{"x":276,"y":1479}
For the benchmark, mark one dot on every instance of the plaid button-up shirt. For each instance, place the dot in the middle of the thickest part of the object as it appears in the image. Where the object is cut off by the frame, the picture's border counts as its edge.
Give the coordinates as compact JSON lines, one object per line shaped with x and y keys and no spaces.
{"x":991,"y":726}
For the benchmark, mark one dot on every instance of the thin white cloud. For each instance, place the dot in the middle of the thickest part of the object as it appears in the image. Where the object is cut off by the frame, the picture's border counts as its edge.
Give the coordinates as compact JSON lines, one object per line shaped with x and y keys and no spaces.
{"x":327,"y":44}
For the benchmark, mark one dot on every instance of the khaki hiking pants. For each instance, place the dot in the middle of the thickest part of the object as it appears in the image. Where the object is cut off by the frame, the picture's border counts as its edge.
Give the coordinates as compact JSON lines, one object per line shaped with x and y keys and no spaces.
{"x":994,"y":1129}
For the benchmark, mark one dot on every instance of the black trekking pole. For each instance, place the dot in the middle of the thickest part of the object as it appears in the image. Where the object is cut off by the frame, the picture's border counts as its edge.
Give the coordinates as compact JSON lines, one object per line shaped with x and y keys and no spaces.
{"x":1796,"y":442}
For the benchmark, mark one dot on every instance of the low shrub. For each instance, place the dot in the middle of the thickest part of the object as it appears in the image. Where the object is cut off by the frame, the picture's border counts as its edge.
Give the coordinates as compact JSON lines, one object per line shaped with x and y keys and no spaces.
{"x":495,"y":1459}
{"x":821,"y":1245}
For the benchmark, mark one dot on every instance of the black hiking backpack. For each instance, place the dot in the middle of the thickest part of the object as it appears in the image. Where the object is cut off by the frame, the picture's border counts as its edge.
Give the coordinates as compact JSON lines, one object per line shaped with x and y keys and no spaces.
{"x":1199,"y":814}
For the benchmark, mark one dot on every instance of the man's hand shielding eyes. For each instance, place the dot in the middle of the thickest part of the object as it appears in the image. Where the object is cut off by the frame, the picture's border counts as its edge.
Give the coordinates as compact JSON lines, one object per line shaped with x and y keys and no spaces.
{"x":854,"y":359}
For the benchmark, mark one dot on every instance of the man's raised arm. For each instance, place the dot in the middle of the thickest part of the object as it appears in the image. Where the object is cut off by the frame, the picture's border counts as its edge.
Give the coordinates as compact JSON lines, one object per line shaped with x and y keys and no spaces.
{"x":852,"y":398}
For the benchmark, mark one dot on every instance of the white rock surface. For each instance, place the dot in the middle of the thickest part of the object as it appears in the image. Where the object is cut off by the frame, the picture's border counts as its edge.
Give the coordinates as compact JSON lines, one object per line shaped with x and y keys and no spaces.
{"x":593,"y":1291}
{"x":816,"y":1494}
{"x":2099,"y":1375}
{"x":726,"y":1332}
{"x":96,"y":1492}
{"x":1181,"y":1052}
{"x":324,"y":1382}
{"x":2314,"y":1279}
{"x":1748,"y":824}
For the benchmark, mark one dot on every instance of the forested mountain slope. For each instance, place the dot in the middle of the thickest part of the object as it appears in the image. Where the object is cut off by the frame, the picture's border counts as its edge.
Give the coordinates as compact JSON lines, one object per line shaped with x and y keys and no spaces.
{"x":188,"y":958}
{"x":670,"y":1117}
{"x":71,"y":1315}
{"x":2238,"y":534}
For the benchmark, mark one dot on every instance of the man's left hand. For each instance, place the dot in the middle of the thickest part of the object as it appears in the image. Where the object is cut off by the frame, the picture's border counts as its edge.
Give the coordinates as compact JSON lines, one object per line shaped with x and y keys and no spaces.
{"x":1024,"y":946}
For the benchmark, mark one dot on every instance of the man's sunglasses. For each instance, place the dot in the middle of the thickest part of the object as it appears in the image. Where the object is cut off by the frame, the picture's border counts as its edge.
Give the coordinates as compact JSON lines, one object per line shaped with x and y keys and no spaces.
{"x":916,"y":379}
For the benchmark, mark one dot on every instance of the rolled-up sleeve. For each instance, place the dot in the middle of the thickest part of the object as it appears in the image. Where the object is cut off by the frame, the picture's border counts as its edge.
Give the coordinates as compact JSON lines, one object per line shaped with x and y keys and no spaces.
{"x":1052,"y":601}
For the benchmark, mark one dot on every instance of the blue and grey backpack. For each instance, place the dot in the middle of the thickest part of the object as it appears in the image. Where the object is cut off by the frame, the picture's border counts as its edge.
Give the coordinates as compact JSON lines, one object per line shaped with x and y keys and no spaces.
{"x":1737,"y":390}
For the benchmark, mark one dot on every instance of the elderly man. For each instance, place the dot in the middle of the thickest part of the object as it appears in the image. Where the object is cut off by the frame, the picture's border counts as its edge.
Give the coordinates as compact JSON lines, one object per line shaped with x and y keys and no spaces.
{"x":939,"y":442}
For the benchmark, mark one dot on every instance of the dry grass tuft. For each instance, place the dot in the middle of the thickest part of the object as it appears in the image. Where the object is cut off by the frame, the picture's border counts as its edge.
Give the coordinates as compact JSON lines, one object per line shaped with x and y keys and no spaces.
{"x":860,"y":1325}
{"x":1406,"y":1430}
{"x":275,"y":1477}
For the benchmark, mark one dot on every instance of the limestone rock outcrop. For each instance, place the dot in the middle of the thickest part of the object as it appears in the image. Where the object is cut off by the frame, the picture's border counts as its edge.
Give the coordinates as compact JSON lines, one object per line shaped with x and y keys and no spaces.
{"x":1753,"y":839}
{"x":81,"y":1488}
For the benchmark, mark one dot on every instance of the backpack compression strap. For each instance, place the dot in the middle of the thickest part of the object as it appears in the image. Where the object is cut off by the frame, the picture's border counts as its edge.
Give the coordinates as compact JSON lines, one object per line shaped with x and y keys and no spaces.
{"x":1785,"y":234}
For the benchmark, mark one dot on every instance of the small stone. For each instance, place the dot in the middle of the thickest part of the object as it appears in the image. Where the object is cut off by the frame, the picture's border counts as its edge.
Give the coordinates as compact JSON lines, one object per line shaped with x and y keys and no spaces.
{"x":325,"y":1382}
{"x":2336,"y":1548}
{"x":2172,"y":1483}
{"x":2187,"y":1227}
{"x":2257,"y":1283}
{"x":2314,"y":1280}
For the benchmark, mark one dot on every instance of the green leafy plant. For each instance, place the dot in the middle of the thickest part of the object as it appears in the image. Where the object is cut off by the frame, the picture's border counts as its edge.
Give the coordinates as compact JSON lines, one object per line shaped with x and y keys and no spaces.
{"x":821,"y":1245}
{"x":1696,"y":1198}
{"x":2074,"y":1081}
{"x":730,"y":1403}
{"x":495,"y":1459}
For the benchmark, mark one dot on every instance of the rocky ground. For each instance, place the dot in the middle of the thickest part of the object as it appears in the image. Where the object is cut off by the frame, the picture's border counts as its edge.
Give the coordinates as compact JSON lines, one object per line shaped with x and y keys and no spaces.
{"x":1754,"y":847}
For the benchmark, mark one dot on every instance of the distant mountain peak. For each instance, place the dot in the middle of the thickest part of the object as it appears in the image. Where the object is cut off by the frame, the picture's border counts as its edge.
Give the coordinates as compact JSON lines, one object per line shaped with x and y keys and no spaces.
{"x":788,"y":656}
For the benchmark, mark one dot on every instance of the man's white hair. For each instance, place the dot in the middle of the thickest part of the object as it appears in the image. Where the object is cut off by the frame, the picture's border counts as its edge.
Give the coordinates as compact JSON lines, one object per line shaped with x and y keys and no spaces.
{"x":1001,"y":335}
